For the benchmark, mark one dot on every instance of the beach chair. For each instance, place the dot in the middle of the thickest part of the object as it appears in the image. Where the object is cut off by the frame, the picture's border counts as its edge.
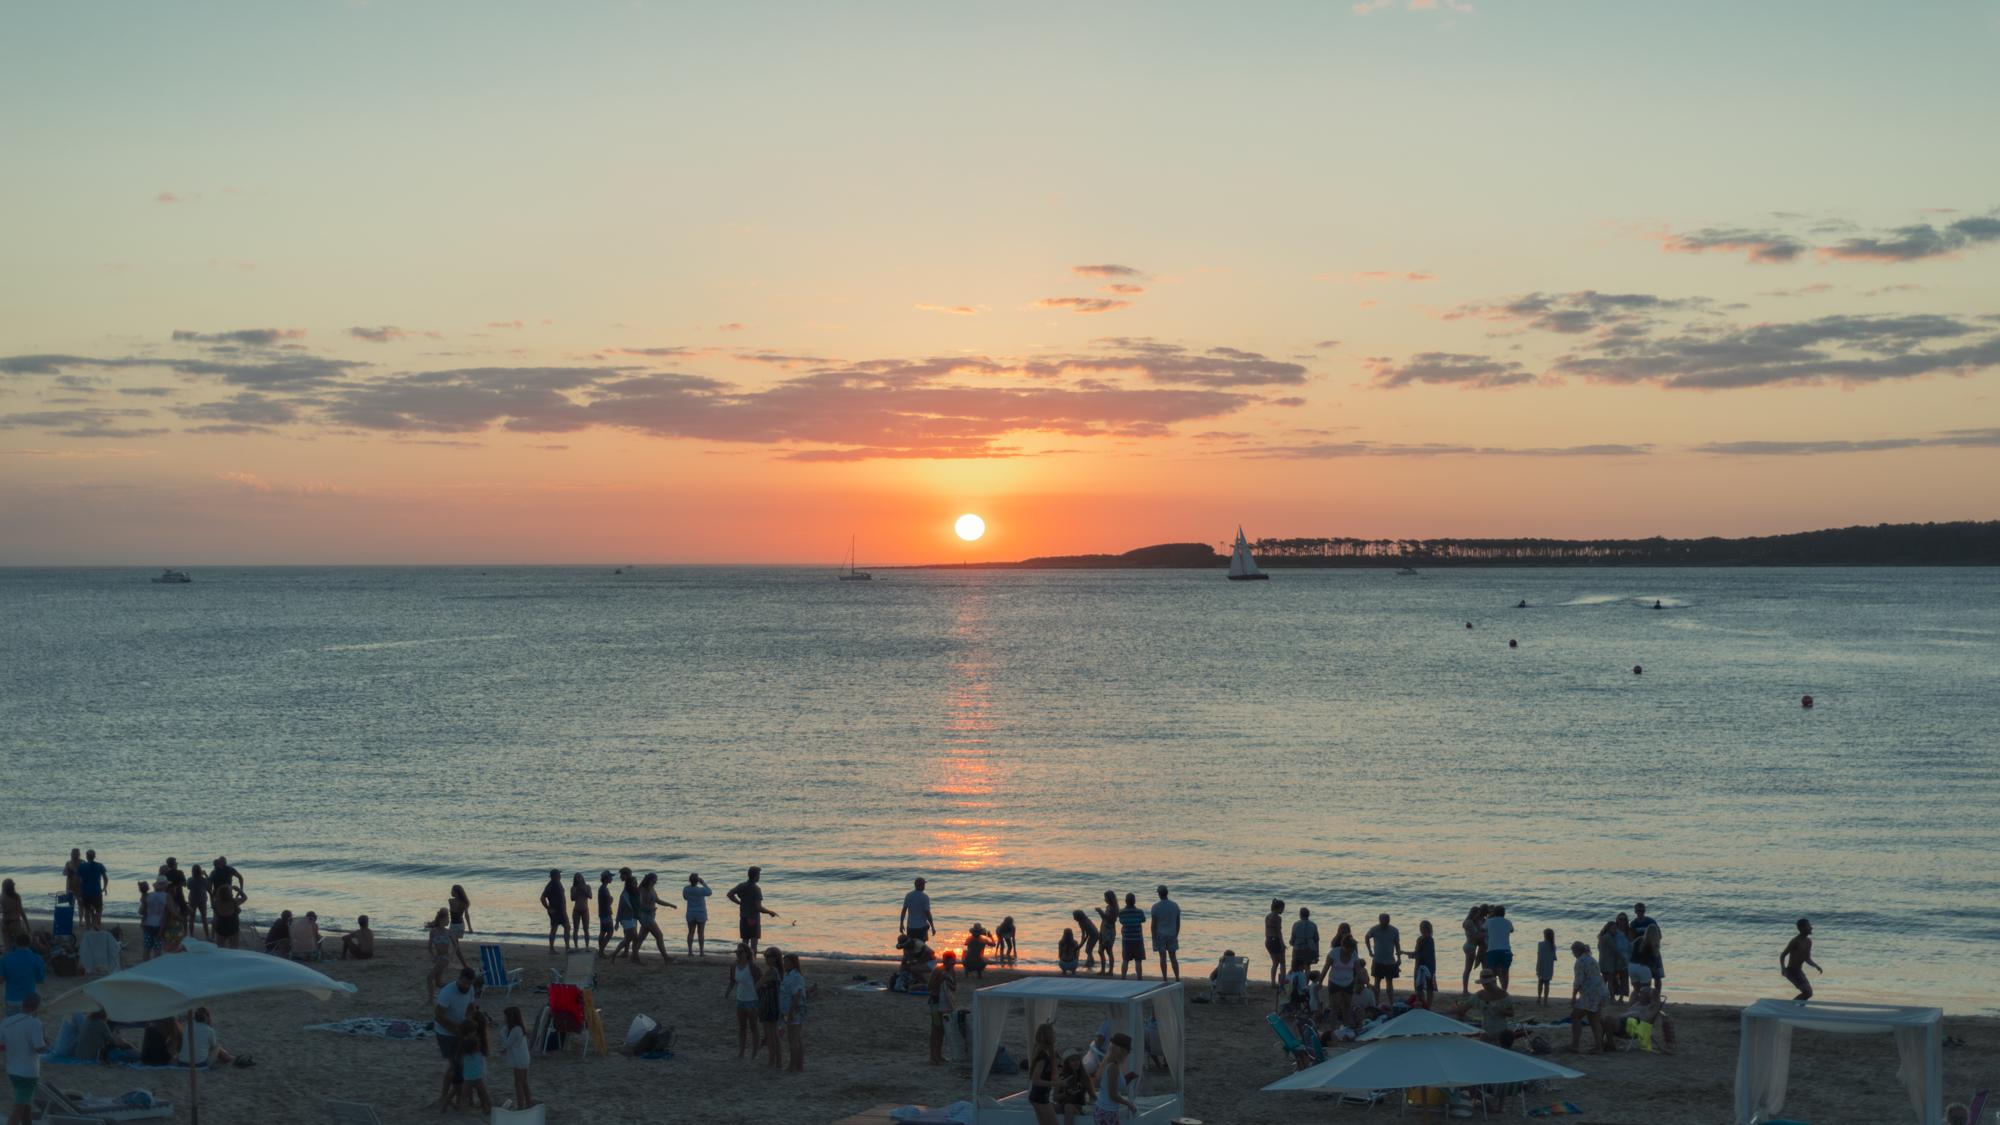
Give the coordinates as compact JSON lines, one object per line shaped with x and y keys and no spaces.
{"x":493,"y":968}
{"x":1302,"y":1055}
{"x":352,"y":1113}
{"x":537,"y":1114}
{"x":55,"y":1103}
{"x":567,"y":1015}
{"x":1232,"y":981}
{"x":580,"y":969}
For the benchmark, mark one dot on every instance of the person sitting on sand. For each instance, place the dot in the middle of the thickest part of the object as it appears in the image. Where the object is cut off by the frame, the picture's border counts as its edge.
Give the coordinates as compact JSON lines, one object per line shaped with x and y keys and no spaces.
{"x":278,"y":939}
{"x":1647,"y":1007}
{"x":1067,"y":952}
{"x":360,"y":944}
{"x":1074,"y":1090}
{"x":201,"y":1047}
{"x":305,"y":936}
{"x":942,"y":1003}
{"x":1797,"y":955}
{"x":161,"y":1043}
{"x":97,"y":1040}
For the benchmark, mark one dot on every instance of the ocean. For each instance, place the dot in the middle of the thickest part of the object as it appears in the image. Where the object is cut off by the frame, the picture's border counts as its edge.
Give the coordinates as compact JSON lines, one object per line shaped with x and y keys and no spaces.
{"x":357,"y":740}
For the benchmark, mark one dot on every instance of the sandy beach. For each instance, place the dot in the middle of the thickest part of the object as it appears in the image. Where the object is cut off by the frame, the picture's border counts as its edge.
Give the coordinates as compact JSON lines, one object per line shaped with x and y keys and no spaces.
{"x":866,"y":1049}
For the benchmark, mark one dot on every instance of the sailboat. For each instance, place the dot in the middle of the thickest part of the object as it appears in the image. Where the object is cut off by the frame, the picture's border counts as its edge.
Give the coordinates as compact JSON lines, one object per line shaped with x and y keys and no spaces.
{"x":850,"y":574}
{"x":1243,"y":568}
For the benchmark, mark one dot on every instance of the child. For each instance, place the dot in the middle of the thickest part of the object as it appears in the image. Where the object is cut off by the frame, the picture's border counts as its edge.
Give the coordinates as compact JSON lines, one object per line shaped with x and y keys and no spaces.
{"x":1427,"y":964}
{"x":1003,"y":938}
{"x":1073,"y":1089}
{"x":514,"y":1044}
{"x":1545,"y":966}
{"x":792,"y":1000}
{"x":472,"y":1047}
{"x":1067,"y":952}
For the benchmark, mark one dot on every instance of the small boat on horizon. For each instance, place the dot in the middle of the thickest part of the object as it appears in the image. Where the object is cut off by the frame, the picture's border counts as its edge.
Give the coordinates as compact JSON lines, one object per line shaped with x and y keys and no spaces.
{"x":1243,"y":568}
{"x":1407,"y":572}
{"x":172,"y":578}
{"x":850,"y":574}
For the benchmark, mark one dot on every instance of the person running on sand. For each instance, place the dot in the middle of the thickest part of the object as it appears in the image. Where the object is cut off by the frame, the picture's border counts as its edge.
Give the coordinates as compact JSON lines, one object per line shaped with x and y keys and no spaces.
{"x":605,"y":912}
{"x":649,"y":915}
{"x":554,"y":906}
{"x":579,"y":910}
{"x":360,"y":944}
{"x":1132,"y":926}
{"x":1274,"y":940}
{"x":943,"y":1002}
{"x":1587,"y":999}
{"x":695,"y":893}
{"x":1797,"y":955}
{"x":461,"y":921}
{"x":1385,"y":959}
{"x":1167,"y":933}
{"x":742,"y":985}
{"x":514,"y":1046}
{"x":1088,"y":929}
{"x":751,"y":912}
{"x":914,"y":918}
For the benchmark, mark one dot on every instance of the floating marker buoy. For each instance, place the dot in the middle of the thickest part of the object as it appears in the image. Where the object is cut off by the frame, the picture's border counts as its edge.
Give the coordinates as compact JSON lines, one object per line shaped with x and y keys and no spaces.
{"x":1636,"y":670}
{"x":1805,"y":701}
{"x":1517,"y":644}
{"x":1468,"y":624}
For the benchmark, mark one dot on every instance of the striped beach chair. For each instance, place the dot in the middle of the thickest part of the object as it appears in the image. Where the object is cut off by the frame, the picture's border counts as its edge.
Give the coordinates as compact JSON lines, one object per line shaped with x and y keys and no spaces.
{"x":493,"y":968}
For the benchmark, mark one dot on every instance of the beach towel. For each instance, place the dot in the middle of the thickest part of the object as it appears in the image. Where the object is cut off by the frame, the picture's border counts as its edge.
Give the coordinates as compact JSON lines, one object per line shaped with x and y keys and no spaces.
{"x":1559,"y":1109}
{"x":377,"y":1027}
{"x":59,"y":1060}
{"x":957,"y":1113}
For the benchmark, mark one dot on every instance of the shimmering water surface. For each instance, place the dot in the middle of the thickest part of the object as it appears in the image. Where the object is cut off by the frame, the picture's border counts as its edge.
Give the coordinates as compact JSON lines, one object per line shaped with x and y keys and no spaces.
{"x":359,"y":739}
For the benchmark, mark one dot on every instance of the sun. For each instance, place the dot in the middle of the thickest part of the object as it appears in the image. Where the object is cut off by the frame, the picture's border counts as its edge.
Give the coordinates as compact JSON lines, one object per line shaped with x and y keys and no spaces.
{"x":969,"y":527}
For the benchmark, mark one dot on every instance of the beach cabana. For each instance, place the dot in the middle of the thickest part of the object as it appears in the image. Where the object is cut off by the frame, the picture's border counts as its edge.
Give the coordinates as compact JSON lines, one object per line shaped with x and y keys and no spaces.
{"x":173,"y":986}
{"x":1039,"y":997}
{"x":1764,"y":1055}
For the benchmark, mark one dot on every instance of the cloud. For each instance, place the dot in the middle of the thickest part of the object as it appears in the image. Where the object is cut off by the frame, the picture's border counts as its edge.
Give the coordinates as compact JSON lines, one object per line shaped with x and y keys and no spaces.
{"x":1323,"y":345}
{"x":1449,"y":369}
{"x":732,"y":326}
{"x":89,"y":423}
{"x":250,"y":337}
{"x":286,"y":371}
{"x":1083,"y":306}
{"x":1987,"y":438}
{"x":503,"y":324}
{"x":1369,"y":277}
{"x":1172,"y":363}
{"x":170,"y":197}
{"x":1127,"y":290}
{"x":1574,"y":313}
{"x":232,"y":429}
{"x":954,"y":310}
{"x":1838,"y":349}
{"x":388,"y":333}
{"x":670,"y":352}
{"x":1776,"y":244}
{"x":247,"y":408}
{"x":1802,"y":291}
{"x":145,"y":392}
{"x":1328,"y":450}
{"x":1105,"y":271}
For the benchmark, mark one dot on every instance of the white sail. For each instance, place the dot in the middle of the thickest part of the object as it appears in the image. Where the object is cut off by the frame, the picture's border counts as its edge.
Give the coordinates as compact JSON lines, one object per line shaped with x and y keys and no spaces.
{"x":1241,"y":565}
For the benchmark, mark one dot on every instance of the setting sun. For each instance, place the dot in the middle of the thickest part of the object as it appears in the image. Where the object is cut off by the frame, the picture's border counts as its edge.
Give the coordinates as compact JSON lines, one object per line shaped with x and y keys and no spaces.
{"x":969,"y":527}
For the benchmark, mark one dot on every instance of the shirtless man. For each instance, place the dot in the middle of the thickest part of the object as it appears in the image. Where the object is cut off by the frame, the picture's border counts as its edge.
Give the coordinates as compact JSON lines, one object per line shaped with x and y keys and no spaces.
{"x":1797,"y":955}
{"x":1274,"y":940}
{"x":358,"y":945}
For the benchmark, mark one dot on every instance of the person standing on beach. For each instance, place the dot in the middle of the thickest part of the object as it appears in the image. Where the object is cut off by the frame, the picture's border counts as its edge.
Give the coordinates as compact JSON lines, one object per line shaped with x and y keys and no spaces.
{"x":695,"y":893}
{"x":915,"y":918}
{"x":943,"y":1002}
{"x":198,"y":901}
{"x":743,"y":986}
{"x":1274,"y":940}
{"x":553,"y":903}
{"x":792,"y":1003}
{"x":24,"y":971}
{"x":579,"y":910}
{"x":220,"y":873}
{"x":21,"y":1034}
{"x":1474,"y":926}
{"x":1425,"y":982}
{"x":751,"y":912}
{"x":770,"y":1002}
{"x":72,"y":882}
{"x":92,"y":881}
{"x":628,"y":916}
{"x":604,"y":912}
{"x":448,"y":1014}
{"x":153,"y":907}
{"x":461,"y":921}
{"x":1167,"y":933}
{"x":1385,"y":958}
{"x":1132,"y":927}
{"x":1646,"y":944}
{"x":1499,"y":943}
{"x":1797,"y":955}
{"x":1587,"y":999}
{"x":649,"y":915}
{"x":227,"y":901}
{"x":1305,"y":941}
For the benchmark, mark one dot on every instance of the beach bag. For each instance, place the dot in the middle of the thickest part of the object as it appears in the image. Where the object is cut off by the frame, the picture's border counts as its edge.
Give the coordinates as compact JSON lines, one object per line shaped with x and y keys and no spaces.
{"x":642,"y":1026}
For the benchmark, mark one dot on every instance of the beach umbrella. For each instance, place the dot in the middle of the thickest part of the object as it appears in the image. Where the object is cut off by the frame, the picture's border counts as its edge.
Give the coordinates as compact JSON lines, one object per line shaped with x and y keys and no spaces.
{"x":1416,"y":1021}
{"x":175,"y":985}
{"x":1406,"y":1062}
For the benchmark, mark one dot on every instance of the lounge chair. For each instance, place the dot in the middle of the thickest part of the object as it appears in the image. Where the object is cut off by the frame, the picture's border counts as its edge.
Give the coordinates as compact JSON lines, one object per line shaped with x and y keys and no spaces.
{"x":567,"y":1016}
{"x":352,"y":1113}
{"x":493,"y":967}
{"x":580,"y":970}
{"x":1302,"y":1055}
{"x":1232,"y":981}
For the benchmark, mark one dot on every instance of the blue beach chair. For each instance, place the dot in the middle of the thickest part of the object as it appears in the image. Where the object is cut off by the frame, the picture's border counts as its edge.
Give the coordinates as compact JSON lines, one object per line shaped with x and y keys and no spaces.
{"x":1304,"y":1055}
{"x":493,"y":967}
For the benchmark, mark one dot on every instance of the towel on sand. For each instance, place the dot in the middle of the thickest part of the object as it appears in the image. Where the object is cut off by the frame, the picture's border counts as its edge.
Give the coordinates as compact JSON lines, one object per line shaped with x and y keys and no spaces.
{"x":378,"y":1027}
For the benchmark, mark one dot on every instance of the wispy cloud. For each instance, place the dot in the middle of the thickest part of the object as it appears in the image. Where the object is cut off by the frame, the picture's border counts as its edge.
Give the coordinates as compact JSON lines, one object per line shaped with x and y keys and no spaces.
{"x":1083,"y":306}
{"x":953,"y":310}
{"x":388,"y":333}
{"x":1105,"y":270}
{"x":249,"y":337}
{"x":1794,"y":236}
{"x":1327,"y":450}
{"x":1449,"y":369}
{"x":1122,"y":288}
{"x":1987,"y":438}
{"x":87,"y":423}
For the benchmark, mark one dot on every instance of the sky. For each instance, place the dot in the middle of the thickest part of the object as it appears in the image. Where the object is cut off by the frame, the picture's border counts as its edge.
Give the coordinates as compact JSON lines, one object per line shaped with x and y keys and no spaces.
{"x":431,"y":282}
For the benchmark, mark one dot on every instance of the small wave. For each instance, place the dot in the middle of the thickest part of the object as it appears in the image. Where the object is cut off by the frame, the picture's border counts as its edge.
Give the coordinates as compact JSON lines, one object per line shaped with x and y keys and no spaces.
{"x":373,"y":645}
{"x":1595,"y":599}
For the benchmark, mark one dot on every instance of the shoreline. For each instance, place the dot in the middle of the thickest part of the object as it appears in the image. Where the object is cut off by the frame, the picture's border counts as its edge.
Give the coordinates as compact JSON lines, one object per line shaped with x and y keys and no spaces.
{"x":865,"y":1049}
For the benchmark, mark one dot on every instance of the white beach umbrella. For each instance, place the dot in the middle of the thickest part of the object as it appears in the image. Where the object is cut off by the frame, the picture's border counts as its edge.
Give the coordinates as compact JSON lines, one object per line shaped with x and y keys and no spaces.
{"x":178,"y":983}
{"x":1416,"y":1021}
{"x":1430,"y":1060}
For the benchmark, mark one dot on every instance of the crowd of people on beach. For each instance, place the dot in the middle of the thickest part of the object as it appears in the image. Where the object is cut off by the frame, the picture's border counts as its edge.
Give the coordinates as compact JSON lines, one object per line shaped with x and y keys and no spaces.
{"x":1330,"y":992}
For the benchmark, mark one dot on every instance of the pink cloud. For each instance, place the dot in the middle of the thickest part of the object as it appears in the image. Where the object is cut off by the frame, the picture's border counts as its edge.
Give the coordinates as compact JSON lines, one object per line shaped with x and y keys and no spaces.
{"x":1083,"y":306}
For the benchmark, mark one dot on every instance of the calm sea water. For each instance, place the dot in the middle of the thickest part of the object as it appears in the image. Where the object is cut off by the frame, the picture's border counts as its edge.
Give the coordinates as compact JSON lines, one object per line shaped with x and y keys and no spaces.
{"x":359,"y":739}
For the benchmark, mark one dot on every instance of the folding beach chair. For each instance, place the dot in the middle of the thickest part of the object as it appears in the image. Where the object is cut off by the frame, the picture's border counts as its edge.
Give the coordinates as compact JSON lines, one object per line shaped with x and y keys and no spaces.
{"x":55,"y":1103}
{"x":493,"y":968}
{"x":352,"y":1113}
{"x":1303,"y":1056}
{"x":567,"y":1015}
{"x":1232,"y":981}
{"x":580,"y":970}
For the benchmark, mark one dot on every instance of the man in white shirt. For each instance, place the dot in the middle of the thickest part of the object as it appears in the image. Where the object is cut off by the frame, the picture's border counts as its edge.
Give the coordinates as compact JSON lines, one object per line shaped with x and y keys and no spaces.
{"x":915,"y":917}
{"x":1167,"y":932}
{"x":1499,"y":943}
{"x":152,"y":917}
{"x":448,"y":1015}
{"x":200,"y":1047}
{"x":21,"y":1033}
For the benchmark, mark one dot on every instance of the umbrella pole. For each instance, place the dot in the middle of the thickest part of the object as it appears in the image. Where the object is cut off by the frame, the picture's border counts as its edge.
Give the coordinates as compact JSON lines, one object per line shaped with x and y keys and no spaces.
{"x":194,"y":1095}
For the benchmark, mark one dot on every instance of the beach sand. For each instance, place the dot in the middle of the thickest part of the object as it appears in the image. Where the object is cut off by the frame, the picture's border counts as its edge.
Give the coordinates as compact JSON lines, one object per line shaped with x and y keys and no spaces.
{"x":867,"y":1049}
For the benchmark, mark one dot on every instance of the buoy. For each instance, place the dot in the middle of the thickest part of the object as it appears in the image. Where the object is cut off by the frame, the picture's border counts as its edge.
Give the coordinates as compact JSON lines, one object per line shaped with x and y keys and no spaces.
{"x":1805,"y":701}
{"x":1636,"y":670}
{"x":1468,"y":624}
{"x":1511,"y":643}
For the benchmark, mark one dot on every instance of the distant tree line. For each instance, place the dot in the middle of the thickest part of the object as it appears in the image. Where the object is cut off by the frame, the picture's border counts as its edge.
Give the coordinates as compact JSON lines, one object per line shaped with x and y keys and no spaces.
{"x":1964,"y":543}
